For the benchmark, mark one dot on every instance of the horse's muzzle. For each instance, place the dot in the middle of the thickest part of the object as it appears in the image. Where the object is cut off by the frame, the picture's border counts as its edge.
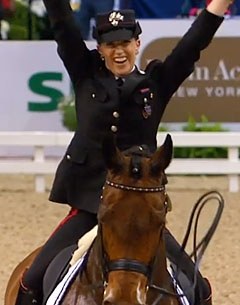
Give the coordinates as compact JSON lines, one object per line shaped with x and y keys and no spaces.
{"x":125,"y":288}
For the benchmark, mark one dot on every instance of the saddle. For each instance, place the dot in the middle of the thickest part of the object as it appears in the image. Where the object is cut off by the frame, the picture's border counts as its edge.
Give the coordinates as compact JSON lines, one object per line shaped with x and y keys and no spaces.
{"x":68,"y":257}
{"x":64,"y":260}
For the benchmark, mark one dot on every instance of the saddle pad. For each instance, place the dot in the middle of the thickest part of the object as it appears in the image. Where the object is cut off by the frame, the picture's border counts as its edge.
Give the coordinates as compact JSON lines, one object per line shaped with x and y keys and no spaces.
{"x":58,"y":293}
{"x":84,"y":244}
{"x":179,"y":290}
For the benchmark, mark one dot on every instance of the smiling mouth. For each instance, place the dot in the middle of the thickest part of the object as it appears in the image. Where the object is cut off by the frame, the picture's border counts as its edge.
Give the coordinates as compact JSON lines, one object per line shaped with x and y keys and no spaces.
{"x":120,"y":61}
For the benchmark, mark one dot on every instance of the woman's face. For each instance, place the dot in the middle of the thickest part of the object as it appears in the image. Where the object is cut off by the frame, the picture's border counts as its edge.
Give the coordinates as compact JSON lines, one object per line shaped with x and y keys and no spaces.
{"x":120,"y":56}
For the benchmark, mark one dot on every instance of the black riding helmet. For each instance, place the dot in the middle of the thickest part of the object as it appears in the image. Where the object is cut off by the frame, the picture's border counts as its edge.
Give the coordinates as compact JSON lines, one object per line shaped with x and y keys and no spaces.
{"x":116,"y":25}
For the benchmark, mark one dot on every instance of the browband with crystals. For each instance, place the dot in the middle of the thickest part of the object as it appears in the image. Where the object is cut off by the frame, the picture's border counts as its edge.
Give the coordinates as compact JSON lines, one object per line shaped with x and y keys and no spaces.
{"x":136,"y":188}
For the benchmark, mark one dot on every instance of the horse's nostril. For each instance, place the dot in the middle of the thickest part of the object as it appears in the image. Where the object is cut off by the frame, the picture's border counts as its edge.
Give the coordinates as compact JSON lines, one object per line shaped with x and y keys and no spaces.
{"x":107,"y":303}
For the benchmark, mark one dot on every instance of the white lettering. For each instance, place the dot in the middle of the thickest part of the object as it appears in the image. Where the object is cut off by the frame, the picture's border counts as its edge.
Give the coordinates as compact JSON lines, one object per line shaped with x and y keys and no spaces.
{"x":234,"y":73}
{"x":222,"y":91}
{"x":221,"y":72}
{"x":186,"y":92}
{"x":180,"y":92}
{"x":230,"y":91}
{"x":192,"y":91}
{"x":219,"y":91}
{"x":209,"y":91}
{"x":200,"y":73}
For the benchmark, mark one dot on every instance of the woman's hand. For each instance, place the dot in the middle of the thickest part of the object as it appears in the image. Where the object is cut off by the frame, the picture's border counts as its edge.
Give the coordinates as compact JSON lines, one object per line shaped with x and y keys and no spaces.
{"x":219,"y":7}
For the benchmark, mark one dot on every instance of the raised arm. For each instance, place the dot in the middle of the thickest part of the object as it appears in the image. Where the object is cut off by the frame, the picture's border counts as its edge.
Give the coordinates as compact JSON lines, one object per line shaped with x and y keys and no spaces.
{"x":219,"y":7}
{"x":71,"y":47}
{"x":180,"y":63}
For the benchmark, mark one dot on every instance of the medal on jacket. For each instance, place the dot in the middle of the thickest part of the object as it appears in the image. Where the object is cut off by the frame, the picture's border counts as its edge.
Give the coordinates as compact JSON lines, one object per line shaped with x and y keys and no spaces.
{"x":147,"y":109}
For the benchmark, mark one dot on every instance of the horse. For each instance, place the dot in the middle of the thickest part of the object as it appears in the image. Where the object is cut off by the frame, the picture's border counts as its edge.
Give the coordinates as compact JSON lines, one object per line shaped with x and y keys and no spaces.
{"x":126,"y":263}
{"x":14,"y":281}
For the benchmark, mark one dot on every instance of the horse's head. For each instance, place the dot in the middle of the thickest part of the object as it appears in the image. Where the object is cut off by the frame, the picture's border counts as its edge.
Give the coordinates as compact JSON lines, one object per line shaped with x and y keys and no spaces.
{"x":131,"y":219}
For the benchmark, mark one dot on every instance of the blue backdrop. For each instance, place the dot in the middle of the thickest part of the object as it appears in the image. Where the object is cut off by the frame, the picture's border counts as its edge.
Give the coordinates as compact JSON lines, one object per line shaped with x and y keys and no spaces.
{"x":160,"y":8}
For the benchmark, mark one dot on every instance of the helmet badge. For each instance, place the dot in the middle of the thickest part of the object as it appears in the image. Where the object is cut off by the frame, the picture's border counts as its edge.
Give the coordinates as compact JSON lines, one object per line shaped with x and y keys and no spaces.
{"x":115,"y":17}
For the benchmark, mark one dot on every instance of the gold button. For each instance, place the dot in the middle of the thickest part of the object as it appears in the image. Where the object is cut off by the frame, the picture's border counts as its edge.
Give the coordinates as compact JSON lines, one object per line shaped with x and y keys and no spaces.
{"x":114,"y":128}
{"x":116,"y":114}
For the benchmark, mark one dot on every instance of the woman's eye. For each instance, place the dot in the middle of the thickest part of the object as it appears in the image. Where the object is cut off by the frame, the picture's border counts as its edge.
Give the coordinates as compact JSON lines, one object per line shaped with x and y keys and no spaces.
{"x":126,"y":42}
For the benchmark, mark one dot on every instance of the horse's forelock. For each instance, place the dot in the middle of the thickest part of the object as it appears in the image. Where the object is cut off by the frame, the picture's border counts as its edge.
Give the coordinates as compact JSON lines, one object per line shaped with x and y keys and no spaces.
{"x":136,"y":153}
{"x":135,"y":168}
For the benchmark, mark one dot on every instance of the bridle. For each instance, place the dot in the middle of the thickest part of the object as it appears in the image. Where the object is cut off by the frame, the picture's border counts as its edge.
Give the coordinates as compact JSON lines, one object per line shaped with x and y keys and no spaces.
{"x":139,"y":267}
{"x":141,"y":189}
{"x":129,"y":264}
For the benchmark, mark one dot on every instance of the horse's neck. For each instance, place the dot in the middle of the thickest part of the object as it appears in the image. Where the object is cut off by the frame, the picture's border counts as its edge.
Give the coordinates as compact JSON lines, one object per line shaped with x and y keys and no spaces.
{"x":93,"y":270}
{"x":87,"y":288}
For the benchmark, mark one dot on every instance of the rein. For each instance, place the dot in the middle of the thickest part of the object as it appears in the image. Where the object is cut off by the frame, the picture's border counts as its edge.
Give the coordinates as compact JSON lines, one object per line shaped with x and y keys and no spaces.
{"x":200,"y":248}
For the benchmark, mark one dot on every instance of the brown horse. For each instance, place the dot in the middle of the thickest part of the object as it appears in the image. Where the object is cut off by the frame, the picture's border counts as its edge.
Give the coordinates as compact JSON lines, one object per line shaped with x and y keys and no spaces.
{"x":127,"y":261}
{"x":128,"y":255}
{"x":14,"y":281}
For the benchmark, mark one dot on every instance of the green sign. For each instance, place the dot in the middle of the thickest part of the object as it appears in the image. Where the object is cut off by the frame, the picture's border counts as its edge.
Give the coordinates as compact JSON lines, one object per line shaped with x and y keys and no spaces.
{"x":36,"y":85}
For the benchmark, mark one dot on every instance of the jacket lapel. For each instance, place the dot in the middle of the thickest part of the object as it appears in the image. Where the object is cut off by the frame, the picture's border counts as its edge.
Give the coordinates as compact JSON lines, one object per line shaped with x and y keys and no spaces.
{"x":108,"y":81}
{"x":132,"y":81}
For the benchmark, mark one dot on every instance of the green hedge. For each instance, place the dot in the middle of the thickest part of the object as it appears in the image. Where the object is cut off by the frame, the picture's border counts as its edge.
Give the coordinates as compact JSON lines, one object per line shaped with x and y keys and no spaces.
{"x":201,"y":152}
{"x":67,"y":108}
{"x":19,"y":24}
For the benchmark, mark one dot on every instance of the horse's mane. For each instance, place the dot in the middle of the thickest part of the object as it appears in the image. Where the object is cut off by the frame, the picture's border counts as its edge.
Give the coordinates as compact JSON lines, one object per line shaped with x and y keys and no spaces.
{"x":137,"y":153}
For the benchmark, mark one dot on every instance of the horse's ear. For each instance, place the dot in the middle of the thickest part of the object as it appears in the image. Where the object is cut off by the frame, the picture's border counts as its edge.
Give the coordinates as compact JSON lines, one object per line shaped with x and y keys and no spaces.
{"x":111,"y":154}
{"x":162,"y":157}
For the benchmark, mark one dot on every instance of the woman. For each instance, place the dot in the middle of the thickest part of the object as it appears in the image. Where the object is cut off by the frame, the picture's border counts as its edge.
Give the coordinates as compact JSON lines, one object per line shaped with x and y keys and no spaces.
{"x":7,"y":9}
{"x":192,"y":8}
{"x":131,"y":110}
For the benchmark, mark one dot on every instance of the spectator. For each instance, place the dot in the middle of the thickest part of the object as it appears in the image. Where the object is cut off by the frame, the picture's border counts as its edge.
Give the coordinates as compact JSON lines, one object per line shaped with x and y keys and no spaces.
{"x":39,"y":10}
{"x":171,"y":9}
{"x":192,"y":8}
{"x":155,"y":8}
{"x":88,"y":11}
{"x":7,"y":8}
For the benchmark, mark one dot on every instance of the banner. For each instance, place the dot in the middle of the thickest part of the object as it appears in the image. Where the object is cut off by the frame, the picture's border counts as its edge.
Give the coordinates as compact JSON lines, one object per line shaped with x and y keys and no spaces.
{"x":33,"y":78}
{"x":213,"y":89}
